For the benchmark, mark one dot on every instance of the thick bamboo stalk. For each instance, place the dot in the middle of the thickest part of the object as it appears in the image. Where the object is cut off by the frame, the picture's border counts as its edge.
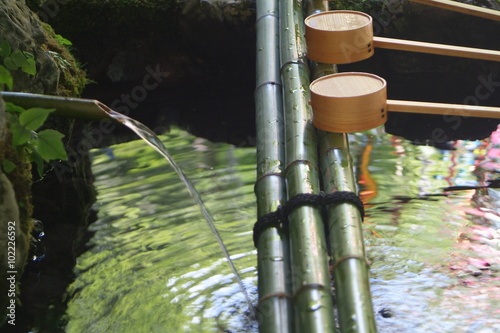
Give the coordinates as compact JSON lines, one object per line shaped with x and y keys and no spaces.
{"x":89,"y":109}
{"x":274,"y":312}
{"x":443,"y":109}
{"x":350,"y":274}
{"x":463,"y":8}
{"x":309,"y":261}
{"x":433,"y":48}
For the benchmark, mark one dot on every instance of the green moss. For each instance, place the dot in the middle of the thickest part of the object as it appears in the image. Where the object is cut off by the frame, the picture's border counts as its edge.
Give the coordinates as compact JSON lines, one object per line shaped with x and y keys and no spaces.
{"x":73,"y":79}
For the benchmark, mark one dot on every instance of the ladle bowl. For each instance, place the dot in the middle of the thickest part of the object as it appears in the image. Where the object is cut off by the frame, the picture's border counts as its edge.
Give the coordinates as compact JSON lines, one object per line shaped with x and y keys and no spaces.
{"x":339,"y":37}
{"x":349,"y":102}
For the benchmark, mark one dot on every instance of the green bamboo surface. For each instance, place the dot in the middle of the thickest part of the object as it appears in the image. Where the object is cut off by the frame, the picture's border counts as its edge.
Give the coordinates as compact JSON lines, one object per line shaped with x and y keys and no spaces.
{"x":89,"y":109}
{"x":351,"y":272}
{"x":274,"y":310}
{"x":313,"y":304}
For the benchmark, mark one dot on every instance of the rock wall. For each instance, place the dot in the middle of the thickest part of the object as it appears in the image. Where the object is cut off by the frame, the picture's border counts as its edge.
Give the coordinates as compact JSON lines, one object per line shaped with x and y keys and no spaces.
{"x":57,"y":73}
{"x":13,"y":243}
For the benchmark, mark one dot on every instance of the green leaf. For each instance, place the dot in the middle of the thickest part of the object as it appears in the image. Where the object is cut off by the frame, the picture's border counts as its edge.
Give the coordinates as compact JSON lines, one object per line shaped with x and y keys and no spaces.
{"x":11,"y":107}
{"x":20,"y":134}
{"x":12,"y":118}
{"x":36,"y":158}
{"x":19,"y":58}
{"x":50,"y":146}
{"x":8,"y":166}
{"x":5,"y":78}
{"x":33,"y":118}
{"x":30,"y":66}
{"x":4,"y":48}
{"x":9,"y":63}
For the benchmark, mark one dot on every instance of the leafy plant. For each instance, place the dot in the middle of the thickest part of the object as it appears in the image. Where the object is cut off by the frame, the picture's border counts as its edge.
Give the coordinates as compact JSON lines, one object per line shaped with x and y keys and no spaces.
{"x":5,"y":78}
{"x":60,"y":61}
{"x":23,"y":124}
{"x":15,"y":60}
{"x":42,"y":146}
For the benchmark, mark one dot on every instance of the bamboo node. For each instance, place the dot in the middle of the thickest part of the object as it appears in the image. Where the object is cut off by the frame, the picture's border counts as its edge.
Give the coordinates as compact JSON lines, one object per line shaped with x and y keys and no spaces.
{"x":316,"y":286}
{"x":265,"y":83}
{"x":278,"y":294}
{"x":350,"y":256}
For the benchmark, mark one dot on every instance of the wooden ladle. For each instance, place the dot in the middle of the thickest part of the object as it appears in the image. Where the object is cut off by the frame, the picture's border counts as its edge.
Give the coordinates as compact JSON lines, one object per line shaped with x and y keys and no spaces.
{"x":354,"y":102}
{"x":343,"y":36}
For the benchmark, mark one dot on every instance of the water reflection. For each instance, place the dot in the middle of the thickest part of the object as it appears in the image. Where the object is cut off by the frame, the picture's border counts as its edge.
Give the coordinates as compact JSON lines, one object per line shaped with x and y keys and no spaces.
{"x":435,"y":256}
{"x":154,"y":266}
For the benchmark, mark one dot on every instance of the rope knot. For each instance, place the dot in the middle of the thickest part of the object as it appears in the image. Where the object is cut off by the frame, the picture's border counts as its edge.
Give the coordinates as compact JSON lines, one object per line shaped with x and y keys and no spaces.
{"x":279,"y":218}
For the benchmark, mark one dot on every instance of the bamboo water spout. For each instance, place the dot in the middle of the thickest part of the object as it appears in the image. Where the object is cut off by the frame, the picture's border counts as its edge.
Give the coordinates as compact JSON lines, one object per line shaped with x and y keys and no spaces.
{"x":89,"y":109}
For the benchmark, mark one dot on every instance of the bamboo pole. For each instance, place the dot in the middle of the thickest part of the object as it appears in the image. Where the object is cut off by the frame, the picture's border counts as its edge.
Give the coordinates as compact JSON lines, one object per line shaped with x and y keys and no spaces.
{"x":308,"y":252}
{"x":89,"y":109}
{"x":463,"y":8}
{"x":274,"y":312}
{"x":350,"y":273}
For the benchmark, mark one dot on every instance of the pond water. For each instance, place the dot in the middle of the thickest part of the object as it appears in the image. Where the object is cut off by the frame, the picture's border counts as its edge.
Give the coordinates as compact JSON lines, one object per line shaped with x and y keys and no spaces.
{"x":435,"y":255}
{"x":153,"y":264}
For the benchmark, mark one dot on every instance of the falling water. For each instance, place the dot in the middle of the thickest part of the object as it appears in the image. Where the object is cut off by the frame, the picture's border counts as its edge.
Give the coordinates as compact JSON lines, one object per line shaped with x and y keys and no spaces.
{"x":147,"y":135}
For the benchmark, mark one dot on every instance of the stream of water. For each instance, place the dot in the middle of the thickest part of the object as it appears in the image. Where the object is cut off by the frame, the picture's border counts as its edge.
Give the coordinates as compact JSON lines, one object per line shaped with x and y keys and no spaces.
{"x":150,"y":138}
{"x":153,"y":264}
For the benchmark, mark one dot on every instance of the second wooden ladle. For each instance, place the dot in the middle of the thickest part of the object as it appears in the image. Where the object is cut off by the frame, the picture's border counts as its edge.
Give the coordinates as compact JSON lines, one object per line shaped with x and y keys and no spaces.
{"x":354,"y":102}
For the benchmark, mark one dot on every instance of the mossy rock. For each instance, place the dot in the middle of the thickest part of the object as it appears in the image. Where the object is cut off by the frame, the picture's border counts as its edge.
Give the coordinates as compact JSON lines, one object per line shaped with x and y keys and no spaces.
{"x":57,"y":70}
{"x":57,"y":73}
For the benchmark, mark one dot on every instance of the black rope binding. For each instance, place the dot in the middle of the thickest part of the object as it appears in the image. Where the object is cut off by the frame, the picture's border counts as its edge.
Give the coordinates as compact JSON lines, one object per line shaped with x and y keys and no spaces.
{"x":279,"y":218}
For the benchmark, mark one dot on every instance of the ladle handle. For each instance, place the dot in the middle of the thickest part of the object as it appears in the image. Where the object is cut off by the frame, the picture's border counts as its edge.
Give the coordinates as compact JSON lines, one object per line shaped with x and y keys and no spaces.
{"x":463,"y":8}
{"x":443,"y":109}
{"x":432,"y":48}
